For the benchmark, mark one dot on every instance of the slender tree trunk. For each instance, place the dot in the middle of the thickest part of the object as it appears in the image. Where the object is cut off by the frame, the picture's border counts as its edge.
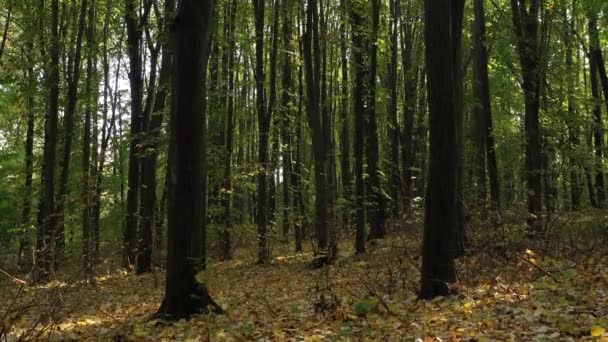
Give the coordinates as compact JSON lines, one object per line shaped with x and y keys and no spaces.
{"x":24,"y":243}
{"x":345,"y":168}
{"x":312,"y":64}
{"x":87,"y":190}
{"x":573,"y":128}
{"x":107,"y":132}
{"x":264,"y":130}
{"x":229,"y":127}
{"x":286,"y":105}
{"x":486,"y":149}
{"x":134,"y":51}
{"x":68,"y":129}
{"x":408,"y":148}
{"x":372,"y":152}
{"x":598,"y":125}
{"x":46,"y":222}
{"x":525,"y":23}
{"x":394,"y":171}
{"x":358,"y":40}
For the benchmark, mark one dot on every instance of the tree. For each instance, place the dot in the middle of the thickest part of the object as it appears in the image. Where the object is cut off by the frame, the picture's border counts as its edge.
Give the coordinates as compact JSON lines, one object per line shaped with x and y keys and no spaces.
{"x":372,"y":152}
{"x":358,"y":110}
{"x":486,"y":149}
{"x":312,"y":67}
{"x":393,"y":125}
{"x":595,"y":64}
{"x":46,"y":211}
{"x":286,"y":106}
{"x":87,"y":261}
{"x":264,"y":129}
{"x":73,"y":77}
{"x":229,"y":135}
{"x":440,"y":240}
{"x":184,"y":296}
{"x":525,"y":15}
{"x":134,"y":23}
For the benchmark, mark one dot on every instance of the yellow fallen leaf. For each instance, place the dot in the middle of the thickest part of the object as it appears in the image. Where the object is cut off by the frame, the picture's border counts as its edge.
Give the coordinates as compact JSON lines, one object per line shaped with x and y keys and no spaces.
{"x":596,"y":331}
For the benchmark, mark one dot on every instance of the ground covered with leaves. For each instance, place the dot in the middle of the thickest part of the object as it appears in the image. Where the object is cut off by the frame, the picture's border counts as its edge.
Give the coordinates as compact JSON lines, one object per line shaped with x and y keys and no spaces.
{"x":504,"y":293}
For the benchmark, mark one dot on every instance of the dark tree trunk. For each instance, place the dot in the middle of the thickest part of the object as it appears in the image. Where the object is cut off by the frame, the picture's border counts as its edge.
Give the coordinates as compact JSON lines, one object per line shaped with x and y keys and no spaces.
{"x":286,"y":103}
{"x":595,"y":57}
{"x":68,"y":130}
{"x":184,"y":296}
{"x":372,"y":152}
{"x":87,"y":190}
{"x":24,"y":243}
{"x":264,"y":130}
{"x":576,"y":186}
{"x":312,"y":63}
{"x":134,"y":42}
{"x":484,"y":141}
{"x":525,"y":23}
{"x":358,"y":40}
{"x":272,"y":99}
{"x":441,"y":235}
{"x":229,"y":128}
{"x":296,"y":179}
{"x":345,"y":168}
{"x":408,"y":152}
{"x":393,"y":126}
{"x":154,"y":113}
{"x":46,"y":217}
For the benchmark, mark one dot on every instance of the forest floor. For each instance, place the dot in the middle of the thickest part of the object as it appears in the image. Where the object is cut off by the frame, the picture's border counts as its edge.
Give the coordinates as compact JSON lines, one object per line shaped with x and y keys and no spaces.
{"x":517,"y":294}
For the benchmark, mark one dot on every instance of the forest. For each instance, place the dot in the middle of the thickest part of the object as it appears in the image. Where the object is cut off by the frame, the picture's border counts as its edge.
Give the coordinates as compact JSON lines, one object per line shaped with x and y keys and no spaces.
{"x":303,"y":170}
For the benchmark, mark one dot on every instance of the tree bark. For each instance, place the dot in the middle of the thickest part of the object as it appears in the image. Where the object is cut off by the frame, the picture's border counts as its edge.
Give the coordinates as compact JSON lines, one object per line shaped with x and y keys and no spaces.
{"x":184,"y":296}
{"x":359,"y":71}
{"x":486,"y":149}
{"x":68,"y":129}
{"x":441,"y":232}
{"x":372,"y":152}
{"x":393,"y":125}
{"x":264,"y":130}
{"x":525,"y":23}
{"x":46,"y":217}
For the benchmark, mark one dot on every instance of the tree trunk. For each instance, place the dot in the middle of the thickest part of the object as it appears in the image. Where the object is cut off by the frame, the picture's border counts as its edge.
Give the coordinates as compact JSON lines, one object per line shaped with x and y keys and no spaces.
{"x":312,"y":63}
{"x":184,"y":296}
{"x":358,"y":40}
{"x":486,"y":149}
{"x":24,"y":243}
{"x":408,"y":148}
{"x":229,"y":128}
{"x":134,"y":41}
{"x":68,"y":129}
{"x":87,"y":262}
{"x":264,"y":130}
{"x":46,"y":217}
{"x":345,"y":168}
{"x":376,"y":198}
{"x":525,"y":23}
{"x":440,"y":245}
{"x":286,"y":103}
{"x":393,"y":125}
{"x":598,"y":125}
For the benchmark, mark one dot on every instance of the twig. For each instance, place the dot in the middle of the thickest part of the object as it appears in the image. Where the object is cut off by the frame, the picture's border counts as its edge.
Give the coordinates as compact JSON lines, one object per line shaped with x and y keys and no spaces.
{"x":539,"y":268}
{"x":16,"y":280}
